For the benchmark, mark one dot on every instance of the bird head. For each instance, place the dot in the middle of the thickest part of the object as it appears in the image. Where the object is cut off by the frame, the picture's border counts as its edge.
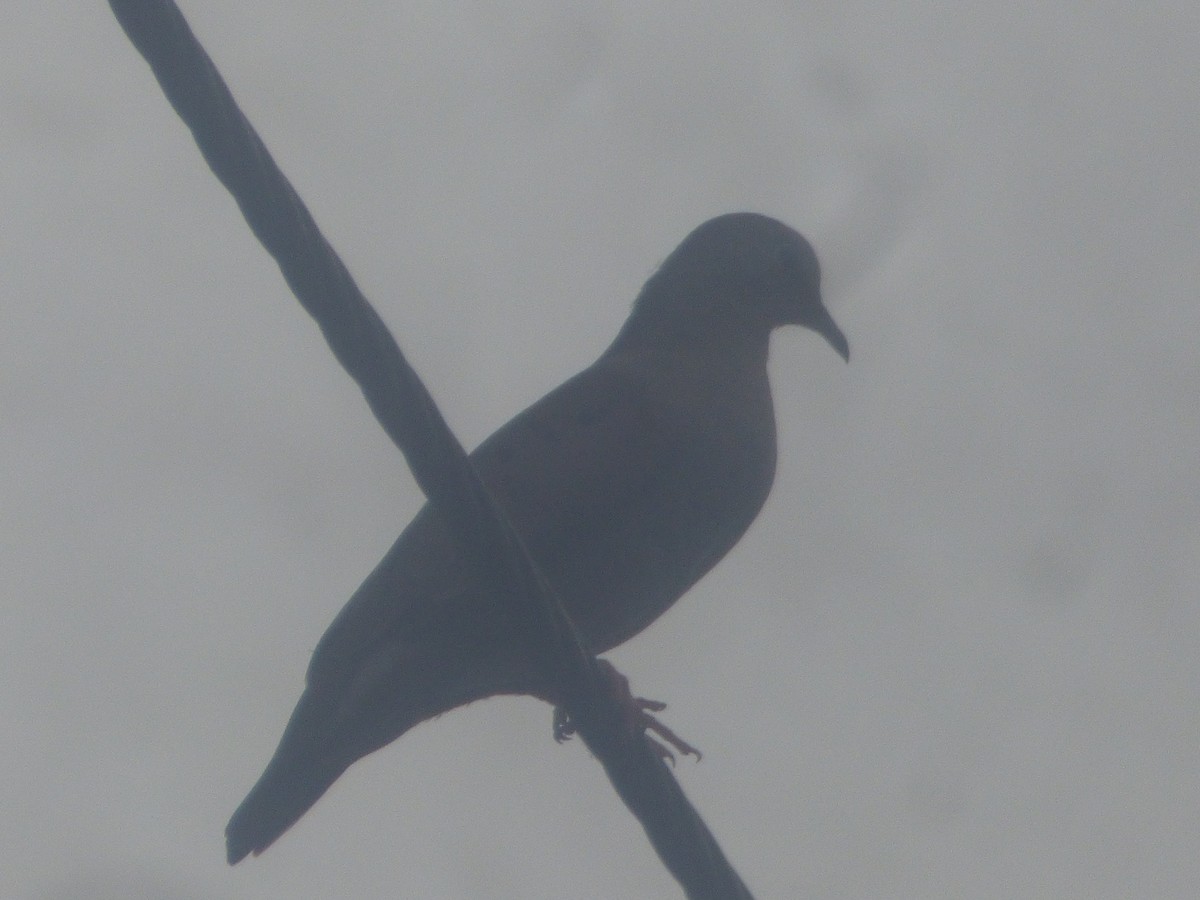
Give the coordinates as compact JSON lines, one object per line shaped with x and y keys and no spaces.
{"x":747,"y":270}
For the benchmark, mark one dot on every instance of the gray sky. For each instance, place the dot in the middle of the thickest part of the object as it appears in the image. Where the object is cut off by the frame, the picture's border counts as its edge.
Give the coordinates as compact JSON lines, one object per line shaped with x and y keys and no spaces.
{"x":957,"y":656}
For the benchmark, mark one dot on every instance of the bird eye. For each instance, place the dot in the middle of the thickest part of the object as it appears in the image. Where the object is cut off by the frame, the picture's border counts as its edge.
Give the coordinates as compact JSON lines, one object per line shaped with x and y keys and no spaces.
{"x":791,"y":260}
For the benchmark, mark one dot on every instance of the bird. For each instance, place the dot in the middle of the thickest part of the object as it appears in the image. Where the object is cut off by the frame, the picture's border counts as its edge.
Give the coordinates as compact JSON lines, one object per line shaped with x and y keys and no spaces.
{"x":627,"y":484}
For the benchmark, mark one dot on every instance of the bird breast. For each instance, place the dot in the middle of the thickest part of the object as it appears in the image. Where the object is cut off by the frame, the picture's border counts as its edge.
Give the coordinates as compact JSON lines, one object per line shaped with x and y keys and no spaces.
{"x":632,"y":500}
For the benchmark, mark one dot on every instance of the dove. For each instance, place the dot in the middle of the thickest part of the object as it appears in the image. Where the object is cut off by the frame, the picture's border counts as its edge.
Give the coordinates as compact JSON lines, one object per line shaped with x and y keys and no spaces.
{"x":627,"y":484}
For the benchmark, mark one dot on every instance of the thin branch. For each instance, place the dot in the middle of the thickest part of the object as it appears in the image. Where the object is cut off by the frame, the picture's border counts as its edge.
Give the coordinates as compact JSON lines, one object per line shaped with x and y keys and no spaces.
{"x":366,"y":349}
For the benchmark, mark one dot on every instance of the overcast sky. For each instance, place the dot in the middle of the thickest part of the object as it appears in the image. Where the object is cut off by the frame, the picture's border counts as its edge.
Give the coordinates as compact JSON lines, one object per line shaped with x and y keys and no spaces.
{"x":958,"y":655}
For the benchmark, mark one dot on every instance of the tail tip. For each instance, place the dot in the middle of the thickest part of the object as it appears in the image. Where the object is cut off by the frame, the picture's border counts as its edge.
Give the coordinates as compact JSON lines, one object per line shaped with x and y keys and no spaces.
{"x":239,"y":844}
{"x":236,"y":851}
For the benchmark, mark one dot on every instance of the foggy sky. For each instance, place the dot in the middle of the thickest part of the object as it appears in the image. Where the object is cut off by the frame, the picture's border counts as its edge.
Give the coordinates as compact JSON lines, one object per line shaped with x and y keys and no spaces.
{"x":957,"y":656}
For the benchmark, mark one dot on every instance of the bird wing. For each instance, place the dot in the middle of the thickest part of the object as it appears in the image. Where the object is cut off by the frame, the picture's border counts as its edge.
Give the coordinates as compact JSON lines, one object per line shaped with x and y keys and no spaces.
{"x":567,"y":470}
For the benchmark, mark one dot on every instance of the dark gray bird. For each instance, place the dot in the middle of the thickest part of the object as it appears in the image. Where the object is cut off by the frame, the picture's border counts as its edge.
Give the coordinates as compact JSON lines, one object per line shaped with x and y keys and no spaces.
{"x":628,"y":483}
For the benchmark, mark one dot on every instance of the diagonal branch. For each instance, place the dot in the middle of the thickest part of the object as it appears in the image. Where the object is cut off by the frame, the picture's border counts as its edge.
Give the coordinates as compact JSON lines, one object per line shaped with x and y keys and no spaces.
{"x":366,"y":349}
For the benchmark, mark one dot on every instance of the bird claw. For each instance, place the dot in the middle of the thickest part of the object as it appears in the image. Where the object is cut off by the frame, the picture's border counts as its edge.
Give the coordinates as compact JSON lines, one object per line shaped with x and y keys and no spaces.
{"x":637,"y":718}
{"x":564,"y":728}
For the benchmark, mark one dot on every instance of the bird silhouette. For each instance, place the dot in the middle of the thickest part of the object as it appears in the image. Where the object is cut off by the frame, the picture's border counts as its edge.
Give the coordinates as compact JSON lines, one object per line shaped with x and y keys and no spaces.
{"x":627,"y":484}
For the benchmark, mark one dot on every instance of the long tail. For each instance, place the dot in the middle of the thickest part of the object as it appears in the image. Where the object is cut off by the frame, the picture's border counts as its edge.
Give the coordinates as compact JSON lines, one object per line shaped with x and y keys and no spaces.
{"x":285,"y":792}
{"x":318,"y":745}
{"x":304,"y":766}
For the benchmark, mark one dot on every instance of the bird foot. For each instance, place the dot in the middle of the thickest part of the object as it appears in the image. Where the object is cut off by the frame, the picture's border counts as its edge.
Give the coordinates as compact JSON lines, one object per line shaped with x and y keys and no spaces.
{"x":636,"y":719}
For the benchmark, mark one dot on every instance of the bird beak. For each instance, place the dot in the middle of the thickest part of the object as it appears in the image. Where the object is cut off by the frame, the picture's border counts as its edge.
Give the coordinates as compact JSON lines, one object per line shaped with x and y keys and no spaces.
{"x":824,"y":325}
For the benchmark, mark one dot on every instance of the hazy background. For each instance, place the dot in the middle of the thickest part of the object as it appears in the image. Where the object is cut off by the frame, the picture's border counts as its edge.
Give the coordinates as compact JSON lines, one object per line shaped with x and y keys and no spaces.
{"x":957,"y":656}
